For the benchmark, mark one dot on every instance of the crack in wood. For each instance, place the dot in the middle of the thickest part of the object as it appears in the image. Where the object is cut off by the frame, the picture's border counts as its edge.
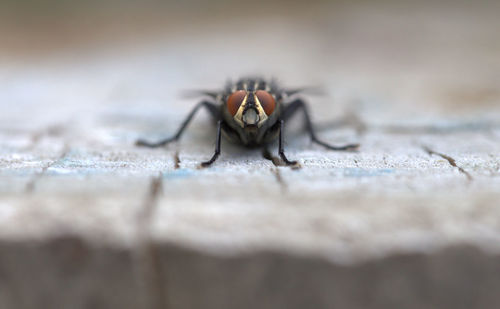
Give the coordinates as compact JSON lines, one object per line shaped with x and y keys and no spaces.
{"x":279,"y":179}
{"x":277,"y":163}
{"x":155,"y":189}
{"x":30,"y":186}
{"x":450,"y":160}
{"x":149,"y":265}
{"x":177,"y":160}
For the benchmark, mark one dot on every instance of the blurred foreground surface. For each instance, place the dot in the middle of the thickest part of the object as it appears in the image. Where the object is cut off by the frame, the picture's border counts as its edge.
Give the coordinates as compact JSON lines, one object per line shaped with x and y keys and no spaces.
{"x":412,"y":220}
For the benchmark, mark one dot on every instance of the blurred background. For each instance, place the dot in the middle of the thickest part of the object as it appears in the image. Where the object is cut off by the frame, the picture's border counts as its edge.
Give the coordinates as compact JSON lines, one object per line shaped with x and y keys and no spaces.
{"x":398,"y":61}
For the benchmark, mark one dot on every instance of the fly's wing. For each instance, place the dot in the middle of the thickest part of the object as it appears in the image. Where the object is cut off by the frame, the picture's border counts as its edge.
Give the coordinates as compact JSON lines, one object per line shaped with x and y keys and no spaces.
{"x":191,"y":94}
{"x":319,"y":91}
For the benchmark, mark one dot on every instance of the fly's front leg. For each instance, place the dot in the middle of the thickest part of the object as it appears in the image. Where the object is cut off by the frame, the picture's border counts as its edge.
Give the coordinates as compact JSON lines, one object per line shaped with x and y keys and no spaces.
{"x":217,"y":147}
{"x":281,"y":149}
{"x":297,"y":104}
{"x":212,"y":108}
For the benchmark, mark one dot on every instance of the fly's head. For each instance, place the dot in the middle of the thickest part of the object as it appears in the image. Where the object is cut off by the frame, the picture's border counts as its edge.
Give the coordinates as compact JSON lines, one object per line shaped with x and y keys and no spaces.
{"x":251,"y":107}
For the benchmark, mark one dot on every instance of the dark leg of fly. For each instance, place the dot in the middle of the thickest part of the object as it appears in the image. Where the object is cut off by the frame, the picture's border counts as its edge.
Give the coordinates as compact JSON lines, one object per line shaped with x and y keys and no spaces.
{"x":213,"y":110}
{"x":281,"y":150}
{"x":217,"y":147}
{"x":293,"y":107}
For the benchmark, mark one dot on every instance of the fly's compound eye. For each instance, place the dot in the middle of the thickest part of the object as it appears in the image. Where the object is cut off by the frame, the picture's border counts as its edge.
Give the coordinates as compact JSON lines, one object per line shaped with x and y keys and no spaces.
{"x":234,"y":101}
{"x":266,"y":101}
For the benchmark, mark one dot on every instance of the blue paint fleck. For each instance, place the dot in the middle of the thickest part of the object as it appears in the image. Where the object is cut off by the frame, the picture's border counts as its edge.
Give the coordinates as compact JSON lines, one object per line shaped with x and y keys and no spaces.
{"x":178,"y":173}
{"x":362,"y":172}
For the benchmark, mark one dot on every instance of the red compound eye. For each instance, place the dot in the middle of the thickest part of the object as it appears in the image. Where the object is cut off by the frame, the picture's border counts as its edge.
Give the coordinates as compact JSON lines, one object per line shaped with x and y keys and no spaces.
{"x":234,"y":101}
{"x":266,"y":101}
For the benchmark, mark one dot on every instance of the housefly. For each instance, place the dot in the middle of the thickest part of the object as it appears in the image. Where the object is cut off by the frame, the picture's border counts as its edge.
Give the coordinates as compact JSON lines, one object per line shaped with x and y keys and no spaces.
{"x":251,"y":112}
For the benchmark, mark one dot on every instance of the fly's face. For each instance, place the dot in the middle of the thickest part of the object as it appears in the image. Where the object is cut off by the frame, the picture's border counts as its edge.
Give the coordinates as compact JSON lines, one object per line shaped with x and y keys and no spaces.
{"x":251,"y":109}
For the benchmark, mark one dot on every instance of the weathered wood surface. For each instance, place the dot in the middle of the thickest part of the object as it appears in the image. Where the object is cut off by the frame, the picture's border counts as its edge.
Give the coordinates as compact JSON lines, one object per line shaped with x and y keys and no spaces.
{"x":412,"y":220}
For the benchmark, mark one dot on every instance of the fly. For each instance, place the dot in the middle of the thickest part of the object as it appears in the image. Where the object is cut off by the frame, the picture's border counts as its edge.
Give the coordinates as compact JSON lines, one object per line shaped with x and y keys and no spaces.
{"x":251,"y":112}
